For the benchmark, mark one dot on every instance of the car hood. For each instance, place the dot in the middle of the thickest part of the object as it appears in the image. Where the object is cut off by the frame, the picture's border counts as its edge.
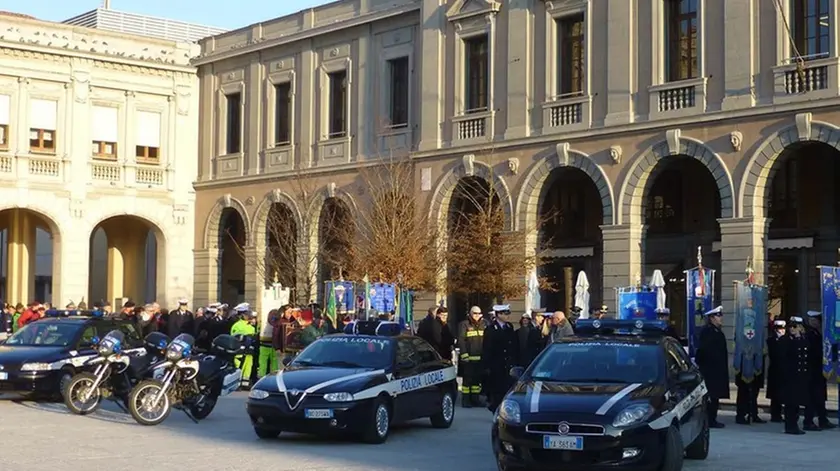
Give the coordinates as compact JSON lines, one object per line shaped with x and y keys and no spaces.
{"x":319,"y":379}
{"x":570,"y":400}
{"x":14,"y":356}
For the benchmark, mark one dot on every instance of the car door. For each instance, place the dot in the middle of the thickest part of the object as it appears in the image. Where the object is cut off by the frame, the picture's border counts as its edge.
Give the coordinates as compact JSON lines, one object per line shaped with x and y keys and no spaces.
{"x":696,"y":414}
{"x":406,"y":371}
{"x":678,"y":391}
{"x":430,"y":368}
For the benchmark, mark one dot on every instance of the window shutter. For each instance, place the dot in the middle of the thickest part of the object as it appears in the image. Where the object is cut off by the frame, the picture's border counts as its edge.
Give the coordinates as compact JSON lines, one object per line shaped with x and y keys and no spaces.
{"x":43,"y":114}
{"x":148,"y":129}
{"x":105,"y":124}
{"x":5,"y":105}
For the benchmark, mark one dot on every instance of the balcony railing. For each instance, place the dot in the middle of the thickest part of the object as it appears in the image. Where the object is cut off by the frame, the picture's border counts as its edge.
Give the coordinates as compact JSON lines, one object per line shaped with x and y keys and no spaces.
{"x":683,"y":97}
{"x":566,"y":113}
{"x":473,"y":126}
{"x":44,"y":166}
{"x":149,"y":175}
{"x":806,"y":80}
{"x":105,"y":172}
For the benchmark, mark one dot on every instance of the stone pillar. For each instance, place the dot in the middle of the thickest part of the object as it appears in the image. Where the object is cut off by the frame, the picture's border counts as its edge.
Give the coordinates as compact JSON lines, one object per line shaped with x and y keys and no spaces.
{"x":366,"y":122}
{"x":433,"y":25}
{"x":623,"y":258}
{"x":72,"y":272}
{"x":741,"y":239}
{"x":116,"y":266}
{"x":20,"y":257}
{"x":206,"y":273}
{"x":253,"y":112}
{"x":520,"y":43}
{"x":738,"y":52}
{"x":308,"y":120}
{"x":621,"y":60}
{"x":254,"y":283}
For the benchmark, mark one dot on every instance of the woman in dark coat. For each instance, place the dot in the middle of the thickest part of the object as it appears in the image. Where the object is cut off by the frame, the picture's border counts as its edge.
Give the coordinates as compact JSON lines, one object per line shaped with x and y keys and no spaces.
{"x":775,"y":371}
{"x":797,"y":374}
{"x":713,"y":359}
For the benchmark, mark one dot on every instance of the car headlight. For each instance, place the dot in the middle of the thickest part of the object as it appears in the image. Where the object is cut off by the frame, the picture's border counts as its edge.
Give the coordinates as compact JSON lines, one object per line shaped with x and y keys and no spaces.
{"x":509,"y":412}
{"x":338,"y":397}
{"x":632,"y":415}
{"x":258,"y":394}
{"x":36,"y":367}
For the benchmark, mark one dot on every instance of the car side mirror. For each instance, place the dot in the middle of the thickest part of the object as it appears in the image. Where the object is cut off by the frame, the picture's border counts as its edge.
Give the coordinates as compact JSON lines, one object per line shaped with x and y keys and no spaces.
{"x":516,"y":372}
{"x":688,"y":377}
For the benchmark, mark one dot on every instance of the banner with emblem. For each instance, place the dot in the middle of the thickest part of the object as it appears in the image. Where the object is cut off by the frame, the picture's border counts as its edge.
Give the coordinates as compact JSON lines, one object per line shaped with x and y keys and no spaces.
{"x":750,"y":329}
{"x":636,"y":302}
{"x":345,"y":296}
{"x":272,"y":298}
{"x":699,"y":298}
{"x":830,"y":281}
{"x":383,"y":297}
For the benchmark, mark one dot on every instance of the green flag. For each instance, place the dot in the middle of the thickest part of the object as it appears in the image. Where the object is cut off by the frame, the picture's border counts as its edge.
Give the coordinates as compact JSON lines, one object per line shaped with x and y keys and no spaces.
{"x":331,"y":310}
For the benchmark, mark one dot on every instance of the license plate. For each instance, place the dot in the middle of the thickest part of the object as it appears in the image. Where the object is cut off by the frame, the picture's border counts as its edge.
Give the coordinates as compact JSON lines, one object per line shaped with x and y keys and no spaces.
{"x":318,"y":413}
{"x":553,"y":442}
{"x":4,"y":376}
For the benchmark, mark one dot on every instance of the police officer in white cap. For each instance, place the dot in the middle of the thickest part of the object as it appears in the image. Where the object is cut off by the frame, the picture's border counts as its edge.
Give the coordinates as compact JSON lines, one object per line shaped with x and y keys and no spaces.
{"x":500,"y":353}
{"x":180,"y":321}
{"x":819,"y":385}
{"x":797,"y":374}
{"x":775,"y":370}
{"x":713,"y":359}
{"x":664,"y":315}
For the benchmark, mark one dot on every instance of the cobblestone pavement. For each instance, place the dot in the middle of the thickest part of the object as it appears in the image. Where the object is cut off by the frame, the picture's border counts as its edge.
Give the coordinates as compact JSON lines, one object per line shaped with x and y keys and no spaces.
{"x":46,"y":437}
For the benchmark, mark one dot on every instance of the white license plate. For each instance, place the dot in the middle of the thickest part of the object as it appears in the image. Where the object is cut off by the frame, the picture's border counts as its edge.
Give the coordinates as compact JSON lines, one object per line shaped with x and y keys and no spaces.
{"x":318,"y":413}
{"x":4,"y":376}
{"x":554,"y":442}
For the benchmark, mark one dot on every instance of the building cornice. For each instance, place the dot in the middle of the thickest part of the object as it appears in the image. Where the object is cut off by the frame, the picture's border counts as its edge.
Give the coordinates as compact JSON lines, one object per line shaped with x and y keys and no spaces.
{"x":269,"y":177}
{"x":260,"y":44}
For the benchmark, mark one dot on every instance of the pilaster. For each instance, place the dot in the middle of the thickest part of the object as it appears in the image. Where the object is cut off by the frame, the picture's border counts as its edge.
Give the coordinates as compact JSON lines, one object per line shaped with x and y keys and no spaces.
{"x":73,"y":251}
{"x":623,"y":257}
{"x":306,"y":101}
{"x":432,"y":57}
{"x":365,"y":121}
{"x":739,"y":54}
{"x":520,"y":64}
{"x":253,"y":114}
{"x":206,"y":276}
{"x":253,"y":277}
{"x":621,"y":52}
{"x":741,"y":239}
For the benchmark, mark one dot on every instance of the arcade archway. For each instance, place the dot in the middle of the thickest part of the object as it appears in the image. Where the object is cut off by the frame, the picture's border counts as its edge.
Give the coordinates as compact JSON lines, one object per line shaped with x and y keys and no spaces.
{"x":281,"y":246}
{"x":125,"y":260}
{"x":231,"y":280}
{"x":335,"y":239}
{"x":28,"y":242}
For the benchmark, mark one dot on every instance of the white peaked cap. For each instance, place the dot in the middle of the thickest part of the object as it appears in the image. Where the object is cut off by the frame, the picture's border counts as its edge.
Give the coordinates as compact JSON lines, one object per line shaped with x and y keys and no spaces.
{"x":714,"y":311}
{"x":814,"y":313}
{"x":501,"y":307}
{"x":182,"y":301}
{"x":242,"y":307}
{"x":779,"y":323}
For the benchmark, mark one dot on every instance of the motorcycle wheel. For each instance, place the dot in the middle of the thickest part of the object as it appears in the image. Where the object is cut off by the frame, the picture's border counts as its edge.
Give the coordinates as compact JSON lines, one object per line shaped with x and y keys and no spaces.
{"x":201,"y":412}
{"x":140,"y":400}
{"x":76,"y":388}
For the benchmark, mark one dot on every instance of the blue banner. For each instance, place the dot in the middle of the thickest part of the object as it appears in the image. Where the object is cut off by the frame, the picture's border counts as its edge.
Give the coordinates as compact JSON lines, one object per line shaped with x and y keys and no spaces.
{"x":699,"y":299}
{"x":750,"y":330}
{"x":636,"y":303}
{"x":383,"y":297}
{"x":345,"y":296}
{"x":830,"y":280}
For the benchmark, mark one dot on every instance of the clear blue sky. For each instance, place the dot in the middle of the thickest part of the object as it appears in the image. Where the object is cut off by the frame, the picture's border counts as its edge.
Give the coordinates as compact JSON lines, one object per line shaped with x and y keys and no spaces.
{"x":228,"y":14}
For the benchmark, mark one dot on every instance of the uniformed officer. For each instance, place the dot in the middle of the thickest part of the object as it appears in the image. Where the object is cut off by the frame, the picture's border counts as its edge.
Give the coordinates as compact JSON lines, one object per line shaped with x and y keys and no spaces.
{"x":797,"y":374}
{"x":713,"y":359}
{"x":746,"y":399}
{"x":246,"y":329}
{"x":500,"y":349}
{"x":470,"y":343}
{"x":819,"y":385}
{"x":775,"y":371}
{"x":664,"y":315}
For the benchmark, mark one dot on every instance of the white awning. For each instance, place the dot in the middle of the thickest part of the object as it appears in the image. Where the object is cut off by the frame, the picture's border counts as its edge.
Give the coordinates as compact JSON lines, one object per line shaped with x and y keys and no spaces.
{"x":43,"y":114}
{"x":5,"y":105}
{"x":104,"y":124}
{"x":148,"y":129}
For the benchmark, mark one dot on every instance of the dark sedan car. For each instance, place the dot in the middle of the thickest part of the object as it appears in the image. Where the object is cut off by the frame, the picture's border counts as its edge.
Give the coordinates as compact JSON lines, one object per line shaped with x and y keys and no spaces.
{"x":42,"y":356}
{"x":359,"y":382}
{"x":618,"y":395}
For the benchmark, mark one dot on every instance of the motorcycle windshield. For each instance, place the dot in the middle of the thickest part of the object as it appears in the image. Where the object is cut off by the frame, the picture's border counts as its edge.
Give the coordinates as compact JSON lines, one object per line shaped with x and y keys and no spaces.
{"x":111,"y":343}
{"x":181,"y":347}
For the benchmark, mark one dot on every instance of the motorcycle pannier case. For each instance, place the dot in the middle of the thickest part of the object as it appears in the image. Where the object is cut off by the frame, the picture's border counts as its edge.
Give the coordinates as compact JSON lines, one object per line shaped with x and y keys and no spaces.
{"x":227,"y":344}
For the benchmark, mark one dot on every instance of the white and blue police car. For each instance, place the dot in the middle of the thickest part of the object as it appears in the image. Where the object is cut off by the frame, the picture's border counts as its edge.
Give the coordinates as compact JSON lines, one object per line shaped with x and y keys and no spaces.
{"x":357,"y":383}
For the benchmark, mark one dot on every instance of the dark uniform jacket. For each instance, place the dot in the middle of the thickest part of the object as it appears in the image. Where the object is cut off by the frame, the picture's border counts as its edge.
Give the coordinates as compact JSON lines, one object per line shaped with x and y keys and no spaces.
{"x":177,"y":323}
{"x":6,"y":320}
{"x":530,"y":344}
{"x":819,"y":385}
{"x":713,"y":359}
{"x":775,"y":367}
{"x":437,"y":333}
{"x":470,"y":340}
{"x":500,"y":350}
{"x":797,"y":372}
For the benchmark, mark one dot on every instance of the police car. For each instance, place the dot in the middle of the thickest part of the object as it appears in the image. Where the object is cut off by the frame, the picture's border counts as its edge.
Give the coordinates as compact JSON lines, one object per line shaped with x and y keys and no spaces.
{"x":358,"y":383}
{"x":618,"y":395}
{"x":40,"y":358}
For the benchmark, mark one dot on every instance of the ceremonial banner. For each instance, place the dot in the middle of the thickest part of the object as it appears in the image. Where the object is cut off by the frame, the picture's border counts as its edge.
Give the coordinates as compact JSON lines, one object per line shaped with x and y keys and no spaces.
{"x":383,"y":297}
{"x":750,"y":329}
{"x":406,"y":308}
{"x":272,"y":298}
{"x":345,"y":296}
{"x":636,"y":303}
{"x":830,"y":279}
{"x":699,"y":298}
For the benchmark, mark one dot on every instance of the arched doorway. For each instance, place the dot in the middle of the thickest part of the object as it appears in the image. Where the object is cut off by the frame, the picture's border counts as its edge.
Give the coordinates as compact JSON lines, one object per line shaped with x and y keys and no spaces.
{"x":802,"y":203}
{"x":231,"y":281}
{"x":335,"y":242}
{"x":27,"y":264}
{"x":281,"y":246}
{"x":682,"y":206}
{"x":570,"y":236}
{"x":125,"y":253}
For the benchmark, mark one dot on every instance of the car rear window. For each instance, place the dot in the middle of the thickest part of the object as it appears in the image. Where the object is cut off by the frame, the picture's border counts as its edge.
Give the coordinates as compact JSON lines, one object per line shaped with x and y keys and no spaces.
{"x":599,"y":362}
{"x":347,"y":352}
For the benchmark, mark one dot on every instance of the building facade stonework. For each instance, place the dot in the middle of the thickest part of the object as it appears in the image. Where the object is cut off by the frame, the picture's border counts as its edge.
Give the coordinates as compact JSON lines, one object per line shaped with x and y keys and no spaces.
{"x":679,"y":136}
{"x":98,"y":132}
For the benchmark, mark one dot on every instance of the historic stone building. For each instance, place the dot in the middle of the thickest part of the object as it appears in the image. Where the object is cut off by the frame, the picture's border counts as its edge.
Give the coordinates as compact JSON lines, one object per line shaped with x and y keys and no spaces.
{"x":649,"y":127}
{"x":98,"y":135}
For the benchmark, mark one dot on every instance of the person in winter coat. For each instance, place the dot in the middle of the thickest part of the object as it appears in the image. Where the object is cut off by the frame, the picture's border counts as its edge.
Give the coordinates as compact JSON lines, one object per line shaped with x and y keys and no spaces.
{"x":424,"y":328}
{"x":530,"y":340}
{"x":436,"y":332}
{"x":179,"y":321}
{"x":797,"y":374}
{"x":713,"y":360}
{"x":560,"y":327}
{"x":775,"y":371}
{"x":500,"y":353}
{"x":816,"y":416}
{"x":246,"y":329}
{"x":471,"y":345}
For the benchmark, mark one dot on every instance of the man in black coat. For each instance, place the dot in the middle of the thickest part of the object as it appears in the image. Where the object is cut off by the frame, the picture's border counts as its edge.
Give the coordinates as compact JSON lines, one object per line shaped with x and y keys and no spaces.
{"x":664,"y":315}
{"x":436,"y":332}
{"x":775,"y":371}
{"x":819,"y":386}
{"x":797,"y":374}
{"x":180,"y":321}
{"x":713,"y":359}
{"x":500,"y":351}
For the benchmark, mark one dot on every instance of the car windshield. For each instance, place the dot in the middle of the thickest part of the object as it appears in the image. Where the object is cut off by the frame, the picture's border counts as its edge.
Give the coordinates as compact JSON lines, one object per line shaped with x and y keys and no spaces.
{"x":347,"y":352}
{"x":599,"y":362}
{"x":45,"y":334}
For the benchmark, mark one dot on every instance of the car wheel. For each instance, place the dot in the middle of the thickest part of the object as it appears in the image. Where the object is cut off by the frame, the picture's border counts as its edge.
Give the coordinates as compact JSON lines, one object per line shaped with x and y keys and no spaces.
{"x":446,"y":414}
{"x":673,"y":455}
{"x":699,"y":448}
{"x":266,"y":434}
{"x":377,"y":429}
{"x":65,"y":376}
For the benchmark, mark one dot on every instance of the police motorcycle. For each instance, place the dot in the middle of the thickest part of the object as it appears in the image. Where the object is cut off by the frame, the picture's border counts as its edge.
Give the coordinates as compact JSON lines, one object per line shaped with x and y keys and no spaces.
{"x":112,"y":373}
{"x":187,"y":380}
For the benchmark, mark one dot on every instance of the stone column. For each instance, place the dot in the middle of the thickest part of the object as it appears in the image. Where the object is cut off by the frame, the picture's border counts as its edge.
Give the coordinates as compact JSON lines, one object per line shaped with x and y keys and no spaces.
{"x":20,"y":257}
{"x":253,"y":112}
{"x":520,"y":43}
{"x":738,"y":52}
{"x":71,"y":274}
{"x":308,"y":120}
{"x":621,"y":61}
{"x":253,"y":276}
{"x":432,"y":56}
{"x":366,"y":121}
{"x":206,"y":276}
{"x":623,"y":258}
{"x":741,"y":239}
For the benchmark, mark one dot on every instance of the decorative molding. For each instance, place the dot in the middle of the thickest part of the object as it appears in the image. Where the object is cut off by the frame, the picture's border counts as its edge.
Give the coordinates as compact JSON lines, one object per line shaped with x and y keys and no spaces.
{"x":469,"y":164}
{"x":513,"y":165}
{"x":736,"y":139}
{"x":464,"y":9}
{"x":77,"y":208}
{"x":803,"y":126}
{"x":249,"y":201}
{"x":563,"y":153}
{"x":615,"y":154}
{"x":182,"y":96}
{"x":179,"y":213}
{"x":331,"y":189}
{"x":129,"y":94}
{"x":276,"y":196}
{"x":23,"y":80}
{"x":226,"y":200}
{"x":672,"y":137}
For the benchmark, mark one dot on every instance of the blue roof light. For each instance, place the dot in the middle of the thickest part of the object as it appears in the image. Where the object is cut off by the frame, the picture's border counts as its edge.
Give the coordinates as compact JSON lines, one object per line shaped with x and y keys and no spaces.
{"x":374,"y":327}
{"x":585,"y":327}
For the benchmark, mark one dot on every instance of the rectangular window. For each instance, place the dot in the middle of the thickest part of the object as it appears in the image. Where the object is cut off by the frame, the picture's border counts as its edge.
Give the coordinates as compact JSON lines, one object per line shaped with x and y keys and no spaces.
{"x":282,"y":114}
{"x":233,"y":131}
{"x":104,"y":132}
{"x":477,"y":63}
{"x":398,"y":79}
{"x":42,"y":124}
{"x":681,"y":57}
{"x":338,"y":104}
{"x":570,"y":62}
{"x":810,"y":25}
{"x":5,"y":113}
{"x":147,"y":145}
